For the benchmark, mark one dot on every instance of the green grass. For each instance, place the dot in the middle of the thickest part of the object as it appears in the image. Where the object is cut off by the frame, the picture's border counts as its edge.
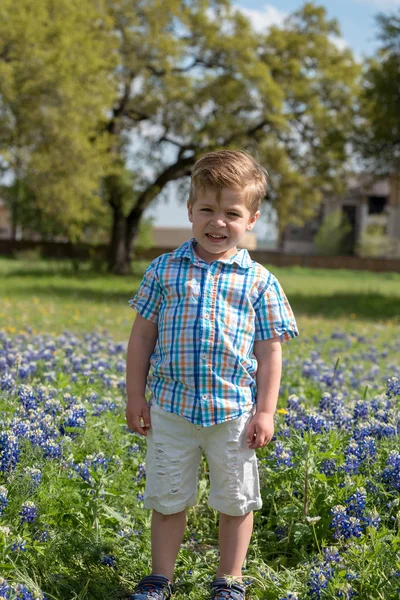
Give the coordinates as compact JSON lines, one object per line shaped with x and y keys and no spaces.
{"x":49,"y":296}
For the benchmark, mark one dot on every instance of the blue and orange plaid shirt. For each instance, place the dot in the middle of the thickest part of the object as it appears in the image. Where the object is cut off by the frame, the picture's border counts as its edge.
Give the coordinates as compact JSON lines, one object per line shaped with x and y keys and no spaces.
{"x":203,"y":367}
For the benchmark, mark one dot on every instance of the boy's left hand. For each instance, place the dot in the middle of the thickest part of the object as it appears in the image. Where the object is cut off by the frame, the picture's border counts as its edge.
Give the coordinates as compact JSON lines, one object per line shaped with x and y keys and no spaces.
{"x":260,"y":430}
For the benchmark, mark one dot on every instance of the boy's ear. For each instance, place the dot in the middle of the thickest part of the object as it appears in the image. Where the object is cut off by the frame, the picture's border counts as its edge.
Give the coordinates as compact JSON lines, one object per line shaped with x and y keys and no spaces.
{"x":190,"y":212}
{"x":253,"y":221}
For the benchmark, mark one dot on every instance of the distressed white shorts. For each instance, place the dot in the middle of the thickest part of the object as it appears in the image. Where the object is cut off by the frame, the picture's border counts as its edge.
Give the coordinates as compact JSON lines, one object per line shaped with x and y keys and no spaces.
{"x":174,"y":447}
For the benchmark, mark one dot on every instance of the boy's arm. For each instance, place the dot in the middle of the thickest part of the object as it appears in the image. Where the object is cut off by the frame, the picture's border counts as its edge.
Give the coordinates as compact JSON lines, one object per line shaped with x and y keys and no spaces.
{"x":269,"y":358}
{"x":140,"y":348}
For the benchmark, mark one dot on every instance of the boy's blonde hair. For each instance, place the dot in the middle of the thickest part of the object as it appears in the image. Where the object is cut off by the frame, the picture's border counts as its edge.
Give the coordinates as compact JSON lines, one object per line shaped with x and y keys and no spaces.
{"x":235,"y":169}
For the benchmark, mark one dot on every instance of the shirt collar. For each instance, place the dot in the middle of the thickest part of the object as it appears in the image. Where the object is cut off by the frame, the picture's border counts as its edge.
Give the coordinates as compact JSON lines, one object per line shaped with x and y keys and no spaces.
{"x":186,"y":250}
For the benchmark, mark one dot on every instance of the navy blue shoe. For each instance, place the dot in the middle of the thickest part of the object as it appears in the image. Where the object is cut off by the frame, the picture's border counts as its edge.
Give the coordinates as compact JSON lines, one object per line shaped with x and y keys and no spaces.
{"x":153,"y":587}
{"x":222,"y":590}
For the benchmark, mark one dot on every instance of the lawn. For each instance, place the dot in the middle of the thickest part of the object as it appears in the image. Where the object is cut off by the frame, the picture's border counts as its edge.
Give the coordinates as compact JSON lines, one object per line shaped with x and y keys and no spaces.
{"x":72,"y":524}
{"x":49,"y":296}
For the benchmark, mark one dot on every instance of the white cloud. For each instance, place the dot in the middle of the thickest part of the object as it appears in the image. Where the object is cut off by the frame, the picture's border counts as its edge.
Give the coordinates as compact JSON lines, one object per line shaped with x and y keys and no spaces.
{"x":263,"y":19}
{"x":381,"y":4}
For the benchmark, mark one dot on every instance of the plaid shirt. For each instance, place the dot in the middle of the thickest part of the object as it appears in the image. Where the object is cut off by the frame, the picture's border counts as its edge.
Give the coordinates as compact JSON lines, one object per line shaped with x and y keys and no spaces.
{"x":203,"y":366}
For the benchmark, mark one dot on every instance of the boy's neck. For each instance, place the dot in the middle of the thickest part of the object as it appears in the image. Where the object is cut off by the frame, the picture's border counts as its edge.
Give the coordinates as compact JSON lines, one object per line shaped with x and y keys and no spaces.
{"x":209,"y":258}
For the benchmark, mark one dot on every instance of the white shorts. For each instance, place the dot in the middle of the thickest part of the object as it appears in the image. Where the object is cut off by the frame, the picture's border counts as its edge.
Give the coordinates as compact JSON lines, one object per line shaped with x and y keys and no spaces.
{"x":173,"y":456}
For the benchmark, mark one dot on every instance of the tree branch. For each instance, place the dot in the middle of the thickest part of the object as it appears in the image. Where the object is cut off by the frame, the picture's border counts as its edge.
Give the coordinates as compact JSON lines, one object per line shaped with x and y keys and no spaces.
{"x":175,"y":171}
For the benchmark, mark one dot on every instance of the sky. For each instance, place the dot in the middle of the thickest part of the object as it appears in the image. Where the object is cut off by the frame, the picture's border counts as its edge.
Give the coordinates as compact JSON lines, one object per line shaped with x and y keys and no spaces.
{"x":356,"y":20}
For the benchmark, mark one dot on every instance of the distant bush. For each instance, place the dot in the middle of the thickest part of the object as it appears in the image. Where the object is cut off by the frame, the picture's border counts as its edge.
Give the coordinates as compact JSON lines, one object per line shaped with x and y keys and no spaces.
{"x":374,"y":243}
{"x":331,"y":238}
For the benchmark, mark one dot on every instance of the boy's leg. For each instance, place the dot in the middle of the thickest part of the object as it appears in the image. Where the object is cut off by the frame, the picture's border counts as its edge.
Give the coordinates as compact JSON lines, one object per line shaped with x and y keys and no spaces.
{"x":166,"y":537}
{"x":235,"y":490}
{"x":234,"y":539}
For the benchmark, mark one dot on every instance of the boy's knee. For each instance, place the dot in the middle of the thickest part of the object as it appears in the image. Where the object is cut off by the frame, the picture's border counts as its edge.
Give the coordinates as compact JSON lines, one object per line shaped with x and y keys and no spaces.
{"x":232,"y":518}
{"x":165,"y":517}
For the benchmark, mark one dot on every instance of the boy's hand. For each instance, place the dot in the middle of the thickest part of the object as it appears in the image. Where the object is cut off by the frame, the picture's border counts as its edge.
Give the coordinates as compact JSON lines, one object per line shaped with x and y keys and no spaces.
{"x":260,"y":430}
{"x":138,"y":415}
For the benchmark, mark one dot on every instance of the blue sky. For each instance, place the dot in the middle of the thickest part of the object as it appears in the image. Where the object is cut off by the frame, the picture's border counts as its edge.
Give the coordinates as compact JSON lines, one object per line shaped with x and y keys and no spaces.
{"x":358,"y":31}
{"x":356,"y":17}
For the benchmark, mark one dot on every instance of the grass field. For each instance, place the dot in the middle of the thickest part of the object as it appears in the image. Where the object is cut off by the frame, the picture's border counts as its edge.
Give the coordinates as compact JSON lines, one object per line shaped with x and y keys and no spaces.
{"x":49,"y":296}
{"x":72,"y":524}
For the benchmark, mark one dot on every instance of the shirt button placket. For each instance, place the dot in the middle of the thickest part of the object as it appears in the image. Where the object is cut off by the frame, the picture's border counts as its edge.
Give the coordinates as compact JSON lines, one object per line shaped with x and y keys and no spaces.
{"x":207,"y":341}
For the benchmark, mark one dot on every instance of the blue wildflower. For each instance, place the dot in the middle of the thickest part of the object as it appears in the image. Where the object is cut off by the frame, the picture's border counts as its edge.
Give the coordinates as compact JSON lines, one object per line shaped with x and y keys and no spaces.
{"x":28,"y":512}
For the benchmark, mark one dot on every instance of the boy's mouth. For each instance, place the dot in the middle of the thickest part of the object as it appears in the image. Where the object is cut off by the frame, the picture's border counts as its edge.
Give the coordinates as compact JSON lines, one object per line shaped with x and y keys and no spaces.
{"x":216,"y":237}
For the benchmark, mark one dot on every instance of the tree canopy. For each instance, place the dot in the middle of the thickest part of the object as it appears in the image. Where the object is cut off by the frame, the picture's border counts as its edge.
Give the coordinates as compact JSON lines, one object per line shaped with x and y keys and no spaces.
{"x":151,"y":85}
{"x":56,"y":73}
{"x":379,"y":135}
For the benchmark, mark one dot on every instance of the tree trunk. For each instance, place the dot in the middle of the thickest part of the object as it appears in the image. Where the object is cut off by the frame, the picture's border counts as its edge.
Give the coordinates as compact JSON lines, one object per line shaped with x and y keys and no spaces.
{"x":118,"y":262}
{"x":282,"y":239}
{"x":125,"y":229}
{"x":124,"y":234}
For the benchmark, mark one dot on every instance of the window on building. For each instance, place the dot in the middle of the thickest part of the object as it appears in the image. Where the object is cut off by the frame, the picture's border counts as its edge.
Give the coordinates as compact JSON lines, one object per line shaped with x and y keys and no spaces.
{"x":376,"y":204}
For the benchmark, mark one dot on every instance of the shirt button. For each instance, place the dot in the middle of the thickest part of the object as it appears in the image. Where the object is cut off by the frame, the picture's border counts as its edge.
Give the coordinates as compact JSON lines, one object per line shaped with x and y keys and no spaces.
{"x":204,"y":396}
{"x":207,"y":315}
{"x":204,"y":356}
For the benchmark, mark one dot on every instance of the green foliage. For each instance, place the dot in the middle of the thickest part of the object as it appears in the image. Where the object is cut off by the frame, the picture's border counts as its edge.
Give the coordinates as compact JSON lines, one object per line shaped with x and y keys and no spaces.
{"x":378,"y":136}
{"x":331,"y":237}
{"x":375,"y":242}
{"x":180,"y":79}
{"x":55,"y":88}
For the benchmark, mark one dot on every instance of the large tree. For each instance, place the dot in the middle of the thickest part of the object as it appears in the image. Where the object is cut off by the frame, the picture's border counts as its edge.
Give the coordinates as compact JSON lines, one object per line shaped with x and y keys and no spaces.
{"x":192,"y":76}
{"x":195,"y":76}
{"x":379,"y":131}
{"x":56,"y":84}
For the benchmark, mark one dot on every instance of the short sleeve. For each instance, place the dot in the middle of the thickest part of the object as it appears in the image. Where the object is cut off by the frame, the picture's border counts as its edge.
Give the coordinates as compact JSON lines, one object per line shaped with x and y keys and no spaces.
{"x":148,"y":298}
{"x":273,"y":315}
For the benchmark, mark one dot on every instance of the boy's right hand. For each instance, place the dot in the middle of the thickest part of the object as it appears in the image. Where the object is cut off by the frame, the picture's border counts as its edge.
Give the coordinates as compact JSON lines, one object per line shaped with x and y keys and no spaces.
{"x":138,"y":415}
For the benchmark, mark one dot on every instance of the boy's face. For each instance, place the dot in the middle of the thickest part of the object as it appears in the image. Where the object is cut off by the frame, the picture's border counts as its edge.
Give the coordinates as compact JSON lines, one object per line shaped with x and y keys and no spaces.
{"x":219,"y":221}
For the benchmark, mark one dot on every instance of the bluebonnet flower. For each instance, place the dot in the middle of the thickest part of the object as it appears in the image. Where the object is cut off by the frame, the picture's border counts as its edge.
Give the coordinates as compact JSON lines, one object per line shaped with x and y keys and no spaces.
{"x":93,"y":462}
{"x":125,"y":532}
{"x":344,"y":526}
{"x":9,"y":451}
{"x":4,"y":588}
{"x":3,"y":498}
{"x":141,"y":471}
{"x":281,"y":532}
{"x":19,"y":546}
{"x":360,"y":410}
{"x":331,"y":555}
{"x":391,"y":473}
{"x":75,"y":417}
{"x":281,"y":455}
{"x":109,"y":560}
{"x":393,"y":387}
{"x":328,"y":466}
{"x":289,"y":596}
{"x":34,"y":475}
{"x":7,"y":382}
{"x":346,"y":591}
{"x":356,"y":504}
{"x":27,"y":397}
{"x":51,"y":449}
{"x":350,"y":575}
{"x":28,"y":512}
{"x":318,"y":580}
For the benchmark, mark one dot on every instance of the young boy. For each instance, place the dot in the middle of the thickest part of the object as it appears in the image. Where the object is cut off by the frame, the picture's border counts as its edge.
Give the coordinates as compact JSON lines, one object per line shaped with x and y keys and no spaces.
{"x":210,"y":324}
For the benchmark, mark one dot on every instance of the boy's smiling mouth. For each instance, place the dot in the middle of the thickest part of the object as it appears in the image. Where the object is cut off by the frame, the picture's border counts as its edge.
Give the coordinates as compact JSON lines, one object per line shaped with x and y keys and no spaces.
{"x":216,"y":236}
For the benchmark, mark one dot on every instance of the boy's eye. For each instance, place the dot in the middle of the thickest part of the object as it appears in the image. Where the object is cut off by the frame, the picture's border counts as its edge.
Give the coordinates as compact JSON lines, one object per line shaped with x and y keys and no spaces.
{"x":234,"y":214}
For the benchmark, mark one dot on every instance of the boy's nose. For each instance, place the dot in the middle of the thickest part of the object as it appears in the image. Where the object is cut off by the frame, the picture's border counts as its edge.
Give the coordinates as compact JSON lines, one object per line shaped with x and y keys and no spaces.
{"x":218,"y":220}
